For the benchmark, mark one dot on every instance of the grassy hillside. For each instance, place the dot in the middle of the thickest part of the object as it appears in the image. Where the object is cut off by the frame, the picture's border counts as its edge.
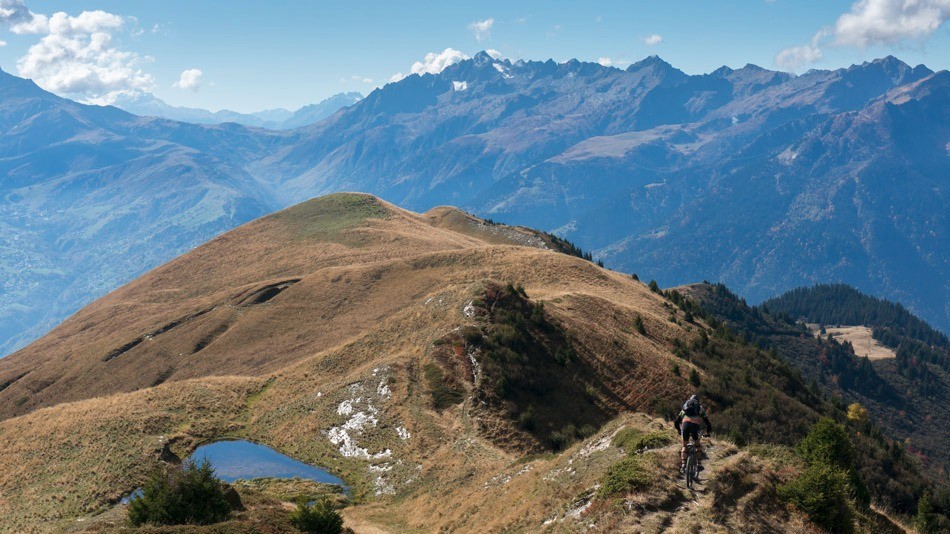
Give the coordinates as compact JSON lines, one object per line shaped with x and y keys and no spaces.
{"x":459,"y":375}
{"x":908,"y":421}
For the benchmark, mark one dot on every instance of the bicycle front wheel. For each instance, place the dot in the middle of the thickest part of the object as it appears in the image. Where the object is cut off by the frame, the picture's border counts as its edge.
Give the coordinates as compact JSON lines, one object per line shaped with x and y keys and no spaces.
{"x":690,"y":470}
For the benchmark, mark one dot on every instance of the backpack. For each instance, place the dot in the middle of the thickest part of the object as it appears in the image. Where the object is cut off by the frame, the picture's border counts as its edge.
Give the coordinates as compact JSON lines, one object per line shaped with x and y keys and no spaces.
{"x":692,"y":408}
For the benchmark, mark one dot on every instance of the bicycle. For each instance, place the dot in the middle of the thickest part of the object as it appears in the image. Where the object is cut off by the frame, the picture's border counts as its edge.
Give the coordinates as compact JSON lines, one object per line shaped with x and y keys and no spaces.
{"x":691,"y":469}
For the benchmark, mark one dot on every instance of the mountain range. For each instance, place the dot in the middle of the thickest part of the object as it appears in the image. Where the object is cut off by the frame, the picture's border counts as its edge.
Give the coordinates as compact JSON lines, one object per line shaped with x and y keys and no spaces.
{"x":760,"y":179}
{"x":149,"y":105}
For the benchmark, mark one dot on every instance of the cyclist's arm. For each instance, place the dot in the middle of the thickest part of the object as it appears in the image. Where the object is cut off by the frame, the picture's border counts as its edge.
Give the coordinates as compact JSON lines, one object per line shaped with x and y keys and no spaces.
{"x":679,"y":419}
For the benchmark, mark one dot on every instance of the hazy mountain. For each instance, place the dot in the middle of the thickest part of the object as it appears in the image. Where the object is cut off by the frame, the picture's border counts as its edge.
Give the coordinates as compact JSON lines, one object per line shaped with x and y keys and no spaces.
{"x":149,"y":105}
{"x":92,"y":196}
{"x":317,"y":112}
{"x":764,"y":180}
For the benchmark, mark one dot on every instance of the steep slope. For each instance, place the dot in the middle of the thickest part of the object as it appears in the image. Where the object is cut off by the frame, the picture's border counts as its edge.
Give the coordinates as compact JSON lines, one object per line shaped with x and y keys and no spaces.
{"x":426,"y":359}
{"x":288,"y":286}
{"x":903,"y":394}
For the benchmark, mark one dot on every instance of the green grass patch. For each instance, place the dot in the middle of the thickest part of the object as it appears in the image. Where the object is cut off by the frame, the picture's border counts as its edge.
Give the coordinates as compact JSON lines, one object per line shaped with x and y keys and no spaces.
{"x":633,"y":440}
{"x":780,"y":454}
{"x":625,"y":476}
{"x":443,"y":395}
{"x":327,"y":217}
{"x":290,"y":489}
{"x":256,"y":396}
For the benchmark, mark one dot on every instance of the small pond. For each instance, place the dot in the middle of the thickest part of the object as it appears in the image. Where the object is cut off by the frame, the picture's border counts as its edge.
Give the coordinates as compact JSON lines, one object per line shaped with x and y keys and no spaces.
{"x":236,"y":459}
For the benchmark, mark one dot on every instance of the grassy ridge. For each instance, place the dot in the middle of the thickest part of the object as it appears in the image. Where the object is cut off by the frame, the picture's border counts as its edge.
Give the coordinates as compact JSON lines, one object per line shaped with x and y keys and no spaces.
{"x":328,"y":217}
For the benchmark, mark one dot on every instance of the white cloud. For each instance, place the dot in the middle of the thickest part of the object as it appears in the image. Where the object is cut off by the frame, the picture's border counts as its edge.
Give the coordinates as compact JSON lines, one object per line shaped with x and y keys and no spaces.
{"x":605,"y":61}
{"x":494,"y":54}
{"x":653,"y":39}
{"x":3,"y":43}
{"x":189,"y":79}
{"x":794,"y":58}
{"x":37,"y":24}
{"x":435,"y":62}
{"x":871,"y":22}
{"x":77,"y":55}
{"x":874,"y":22}
{"x":482,"y":28}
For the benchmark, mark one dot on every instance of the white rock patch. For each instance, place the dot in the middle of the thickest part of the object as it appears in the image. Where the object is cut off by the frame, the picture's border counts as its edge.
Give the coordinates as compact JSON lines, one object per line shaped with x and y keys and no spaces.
{"x":476,"y":369}
{"x":362,"y":417}
{"x":383,"y":485}
{"x":346,"y":407}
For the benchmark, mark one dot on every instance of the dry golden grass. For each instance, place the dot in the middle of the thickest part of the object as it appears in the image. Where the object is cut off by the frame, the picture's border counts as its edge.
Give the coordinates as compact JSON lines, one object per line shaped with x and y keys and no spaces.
{"x":861,"y":339}
{"x":59,"y":464}
{"x":366,"y":288}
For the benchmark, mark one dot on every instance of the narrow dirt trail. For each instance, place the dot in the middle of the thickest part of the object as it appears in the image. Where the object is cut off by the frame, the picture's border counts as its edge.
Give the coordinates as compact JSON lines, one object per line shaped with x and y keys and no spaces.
{"x":361,"y":525}
{"x":688,"y":516}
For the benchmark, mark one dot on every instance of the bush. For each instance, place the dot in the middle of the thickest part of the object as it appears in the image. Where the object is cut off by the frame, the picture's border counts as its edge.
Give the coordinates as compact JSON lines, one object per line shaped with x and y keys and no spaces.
{"x":857,"y":413}
{"x":443,"y":394}
{"x":822,"y":492}
{"x":638,"y":324}
{"x":625,"y":476}
{"x":317,"y":518}
{"x":694,"y":378}
{"x":633,"y":440}
{"x":828,"y":442}
{"x":190,"y":495}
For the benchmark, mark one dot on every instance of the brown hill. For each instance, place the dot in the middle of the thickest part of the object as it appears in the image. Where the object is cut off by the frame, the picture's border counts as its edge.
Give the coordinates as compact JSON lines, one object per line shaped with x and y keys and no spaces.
{"x":426,"y":359}
{"x":305,"y":280}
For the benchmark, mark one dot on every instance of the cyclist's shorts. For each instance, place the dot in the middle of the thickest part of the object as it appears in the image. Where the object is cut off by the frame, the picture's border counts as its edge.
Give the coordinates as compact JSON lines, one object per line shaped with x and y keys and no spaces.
{"x":690,"y":430}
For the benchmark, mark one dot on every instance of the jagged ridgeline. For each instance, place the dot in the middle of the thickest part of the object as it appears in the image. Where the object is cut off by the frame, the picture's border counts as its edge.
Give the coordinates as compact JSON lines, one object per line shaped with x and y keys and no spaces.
{"x":457,"y":374}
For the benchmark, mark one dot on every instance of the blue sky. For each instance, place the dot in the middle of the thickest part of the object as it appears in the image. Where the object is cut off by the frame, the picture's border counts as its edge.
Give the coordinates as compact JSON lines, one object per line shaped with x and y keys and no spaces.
{"x":254,"y":55}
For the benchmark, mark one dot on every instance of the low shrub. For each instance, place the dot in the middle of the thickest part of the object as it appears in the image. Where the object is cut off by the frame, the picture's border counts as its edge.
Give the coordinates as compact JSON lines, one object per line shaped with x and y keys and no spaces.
{"x":190,"y":495}
{"x":317,"y":518}
{"x":443,"y":395}
{"x":625,"y":476}
{"x":633,"y":440}
{"x":827,"y":442}
{"x":822,"y":492}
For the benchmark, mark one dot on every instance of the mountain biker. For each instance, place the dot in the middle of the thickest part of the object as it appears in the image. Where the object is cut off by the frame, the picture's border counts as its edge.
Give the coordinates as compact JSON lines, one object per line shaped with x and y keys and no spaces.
{"x":687,"y":423}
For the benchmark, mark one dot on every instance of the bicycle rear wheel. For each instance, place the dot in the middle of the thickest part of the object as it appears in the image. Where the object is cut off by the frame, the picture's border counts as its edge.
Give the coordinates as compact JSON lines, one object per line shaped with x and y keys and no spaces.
{"x":690,"y":467}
